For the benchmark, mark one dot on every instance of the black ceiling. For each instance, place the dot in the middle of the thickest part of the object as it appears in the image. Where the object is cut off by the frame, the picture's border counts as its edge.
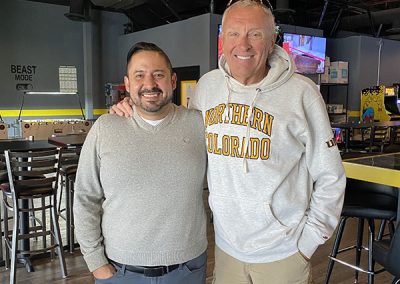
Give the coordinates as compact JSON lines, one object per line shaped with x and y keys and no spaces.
{"x":375,"y":17}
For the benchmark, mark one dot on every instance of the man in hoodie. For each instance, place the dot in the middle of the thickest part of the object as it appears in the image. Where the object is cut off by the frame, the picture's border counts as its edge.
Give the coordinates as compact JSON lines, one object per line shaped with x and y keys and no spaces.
{"x":138,"y":205}
{"x":274,"y":171}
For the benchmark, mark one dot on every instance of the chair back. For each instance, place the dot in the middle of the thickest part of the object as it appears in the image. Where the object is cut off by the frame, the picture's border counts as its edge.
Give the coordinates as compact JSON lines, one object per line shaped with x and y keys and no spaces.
{"x":69,"y":156}
{"x":3,"y":169}
{"x":32,"y":172}
{"x":393,"y":260}
{"x":396,"y":135}
{"x":379,"y":137}
{"x":370,"y":195}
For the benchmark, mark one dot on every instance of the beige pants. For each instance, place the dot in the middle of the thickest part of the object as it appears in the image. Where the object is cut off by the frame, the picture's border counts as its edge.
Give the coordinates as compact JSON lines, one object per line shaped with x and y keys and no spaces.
{"x":229,"y":270}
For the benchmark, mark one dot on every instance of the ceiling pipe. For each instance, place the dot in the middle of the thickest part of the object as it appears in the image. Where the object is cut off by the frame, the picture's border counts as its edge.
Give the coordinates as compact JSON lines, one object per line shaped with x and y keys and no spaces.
{"x":212,"y":7}
{"x":337,"y":22}
{"x":166,"y":4}
{"x":321,"y":18}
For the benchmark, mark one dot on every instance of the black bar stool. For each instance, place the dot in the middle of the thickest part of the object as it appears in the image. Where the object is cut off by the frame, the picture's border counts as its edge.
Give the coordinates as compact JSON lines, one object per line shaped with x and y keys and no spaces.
{"x":68,"y":160}
{"x":364,"y":201}
{"x":387,"y":253}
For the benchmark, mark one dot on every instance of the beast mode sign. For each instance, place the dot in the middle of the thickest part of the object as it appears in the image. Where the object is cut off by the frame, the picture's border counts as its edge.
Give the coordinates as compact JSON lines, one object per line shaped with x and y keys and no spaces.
{"x":23,"y":75}
{"x":23,"y":72}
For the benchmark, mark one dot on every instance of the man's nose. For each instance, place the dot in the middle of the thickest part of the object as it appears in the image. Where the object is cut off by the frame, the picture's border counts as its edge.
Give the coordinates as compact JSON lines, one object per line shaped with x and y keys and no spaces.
{"x":244,"y":43}
{"x":149,"y":82}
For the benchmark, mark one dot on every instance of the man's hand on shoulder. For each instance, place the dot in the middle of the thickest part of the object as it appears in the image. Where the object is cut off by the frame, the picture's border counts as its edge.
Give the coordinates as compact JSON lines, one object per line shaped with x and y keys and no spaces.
{"x":123,"y":108}
{"x":104,"y":272}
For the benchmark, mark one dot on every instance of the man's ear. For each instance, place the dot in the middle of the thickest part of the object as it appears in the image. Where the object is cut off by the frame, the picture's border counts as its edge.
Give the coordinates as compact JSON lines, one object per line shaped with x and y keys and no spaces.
{"x":126,"y":82}
{"x":173,"y":80}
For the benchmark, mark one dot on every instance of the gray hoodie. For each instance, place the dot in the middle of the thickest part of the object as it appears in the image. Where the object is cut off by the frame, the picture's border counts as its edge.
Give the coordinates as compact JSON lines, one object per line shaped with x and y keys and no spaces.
{"x":276,"y":183}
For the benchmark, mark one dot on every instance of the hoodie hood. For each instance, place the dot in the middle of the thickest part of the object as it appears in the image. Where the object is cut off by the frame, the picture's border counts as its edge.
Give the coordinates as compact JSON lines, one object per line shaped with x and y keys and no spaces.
{"x":281,"y":69}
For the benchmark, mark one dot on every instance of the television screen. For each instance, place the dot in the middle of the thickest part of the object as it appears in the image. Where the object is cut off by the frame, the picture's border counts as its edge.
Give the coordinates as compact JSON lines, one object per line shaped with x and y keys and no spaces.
{"x":392,"y":104}
{"x":219,"y":41}
{"x":307,"y":52}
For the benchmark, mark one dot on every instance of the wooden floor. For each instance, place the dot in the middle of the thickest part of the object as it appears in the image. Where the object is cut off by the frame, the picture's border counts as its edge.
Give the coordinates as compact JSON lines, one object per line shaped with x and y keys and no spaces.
{"x":47,"y":271}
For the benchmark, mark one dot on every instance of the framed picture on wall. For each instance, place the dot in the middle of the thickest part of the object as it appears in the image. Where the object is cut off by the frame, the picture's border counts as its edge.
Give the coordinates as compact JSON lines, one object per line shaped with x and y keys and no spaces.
{"x":187,"y":90}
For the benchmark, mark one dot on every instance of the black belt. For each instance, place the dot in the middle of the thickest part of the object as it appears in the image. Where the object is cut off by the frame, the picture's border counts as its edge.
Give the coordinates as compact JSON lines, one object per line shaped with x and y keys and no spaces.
{"x":149,"y":271}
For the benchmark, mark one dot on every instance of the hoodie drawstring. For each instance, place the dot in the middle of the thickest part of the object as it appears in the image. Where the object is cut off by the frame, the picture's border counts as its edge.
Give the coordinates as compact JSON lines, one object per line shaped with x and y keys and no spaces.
{"x":228,"y":85}
{"x":250,"y":113}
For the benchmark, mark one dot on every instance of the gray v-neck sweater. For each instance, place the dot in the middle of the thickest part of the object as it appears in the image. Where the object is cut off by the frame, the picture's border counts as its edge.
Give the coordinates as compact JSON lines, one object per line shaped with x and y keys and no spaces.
{"x":138,"y":193}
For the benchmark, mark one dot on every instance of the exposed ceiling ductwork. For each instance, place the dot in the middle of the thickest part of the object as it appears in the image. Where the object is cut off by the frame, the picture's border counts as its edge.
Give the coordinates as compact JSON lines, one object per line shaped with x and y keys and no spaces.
{"x":389,"y":17}
{"x":79,"y":10}
{"x":119,"y":4}
{"x":375,"y":17}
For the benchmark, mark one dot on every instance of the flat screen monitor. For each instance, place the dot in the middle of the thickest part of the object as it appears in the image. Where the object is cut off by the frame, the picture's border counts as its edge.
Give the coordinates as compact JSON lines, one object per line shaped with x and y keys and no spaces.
{"x":392,"y":104}
{"x":219,"y":41}
{"x":307,"y":52}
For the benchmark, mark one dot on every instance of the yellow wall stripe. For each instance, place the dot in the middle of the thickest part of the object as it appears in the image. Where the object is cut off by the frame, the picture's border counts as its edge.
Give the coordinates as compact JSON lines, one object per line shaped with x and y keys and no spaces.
{"x":48,"y":112}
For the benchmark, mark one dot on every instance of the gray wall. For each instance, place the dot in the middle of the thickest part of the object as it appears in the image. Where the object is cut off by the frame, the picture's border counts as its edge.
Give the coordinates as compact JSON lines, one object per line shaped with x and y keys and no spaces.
{"x":39,"y":34}
{"x":362,"y":53}
{"x":190,"y":42}
{"x":187,"y":43}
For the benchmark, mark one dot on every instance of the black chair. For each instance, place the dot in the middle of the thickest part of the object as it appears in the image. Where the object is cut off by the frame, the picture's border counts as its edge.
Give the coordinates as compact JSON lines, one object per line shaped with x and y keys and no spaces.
{"x":395,"y":135}
{"x":387,"y":253}
{"x":32,"y":176}
{"x":3,"y":184}
{"x":70,"y":200}
{"x":377,"y":139}
{"x":68,"y":165}
{"x":370,"y":202}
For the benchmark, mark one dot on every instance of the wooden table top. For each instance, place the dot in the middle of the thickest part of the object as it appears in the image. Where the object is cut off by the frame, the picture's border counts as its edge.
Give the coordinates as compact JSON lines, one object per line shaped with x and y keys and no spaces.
{"x":72,"y":140}
{"x":24,"y":145}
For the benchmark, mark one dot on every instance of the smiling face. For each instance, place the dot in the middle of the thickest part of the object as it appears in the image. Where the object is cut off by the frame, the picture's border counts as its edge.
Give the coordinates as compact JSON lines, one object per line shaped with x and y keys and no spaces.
{"x":150,"y":84}
{"x":247,"y":40}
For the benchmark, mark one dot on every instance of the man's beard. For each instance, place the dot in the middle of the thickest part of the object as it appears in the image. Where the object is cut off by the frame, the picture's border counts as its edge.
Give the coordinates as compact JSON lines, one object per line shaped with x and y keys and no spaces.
{"x":152,"y":106}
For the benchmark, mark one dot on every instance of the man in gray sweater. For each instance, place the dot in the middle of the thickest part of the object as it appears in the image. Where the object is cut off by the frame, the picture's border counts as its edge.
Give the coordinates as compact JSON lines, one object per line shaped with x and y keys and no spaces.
{"x":138,"y":208}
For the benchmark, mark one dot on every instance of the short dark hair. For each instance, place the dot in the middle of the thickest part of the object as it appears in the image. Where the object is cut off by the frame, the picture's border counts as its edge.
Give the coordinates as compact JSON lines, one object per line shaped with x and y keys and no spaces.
{"x":148,"y":46}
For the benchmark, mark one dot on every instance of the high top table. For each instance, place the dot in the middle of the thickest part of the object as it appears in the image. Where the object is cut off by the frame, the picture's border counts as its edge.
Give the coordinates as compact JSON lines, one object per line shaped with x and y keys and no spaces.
{"x":382,"y":169}
{"x":67,"y":141}
{"x":24,"y":145}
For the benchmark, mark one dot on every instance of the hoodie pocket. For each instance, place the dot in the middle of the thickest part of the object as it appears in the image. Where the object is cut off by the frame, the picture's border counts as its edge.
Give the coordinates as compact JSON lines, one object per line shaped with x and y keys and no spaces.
{"x":246,"y":225}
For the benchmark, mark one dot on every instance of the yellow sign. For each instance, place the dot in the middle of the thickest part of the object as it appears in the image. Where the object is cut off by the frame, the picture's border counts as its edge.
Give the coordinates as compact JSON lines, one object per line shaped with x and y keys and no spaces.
{"x":373,"y":104}
{"x":187,"y":90}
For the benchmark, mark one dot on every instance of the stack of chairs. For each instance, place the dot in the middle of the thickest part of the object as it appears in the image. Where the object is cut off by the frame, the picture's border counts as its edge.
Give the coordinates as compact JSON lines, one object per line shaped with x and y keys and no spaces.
{"x":32,"y":177}
{"x":68,"y":160}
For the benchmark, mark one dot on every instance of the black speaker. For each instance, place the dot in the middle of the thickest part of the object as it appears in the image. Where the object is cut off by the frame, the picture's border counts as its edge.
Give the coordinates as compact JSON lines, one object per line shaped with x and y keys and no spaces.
{"x":78,"y":10}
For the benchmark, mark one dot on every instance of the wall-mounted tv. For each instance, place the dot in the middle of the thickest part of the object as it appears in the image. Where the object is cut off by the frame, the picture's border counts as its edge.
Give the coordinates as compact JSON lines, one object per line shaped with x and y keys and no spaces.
{"x":308,"y":52}
{"x":219,"y":40}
